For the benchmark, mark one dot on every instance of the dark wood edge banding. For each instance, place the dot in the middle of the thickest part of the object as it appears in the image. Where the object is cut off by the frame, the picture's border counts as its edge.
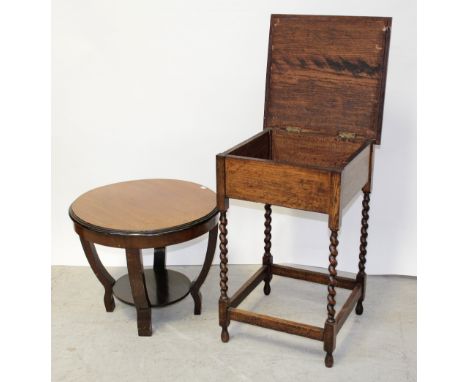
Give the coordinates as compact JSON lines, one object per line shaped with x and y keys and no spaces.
{"x":147,"y":240}
{"x":275,"y":323}
{"x":163,"y":231}
{"x":348,"y":306}
{"x":248,"y":287}
{"x":312,"y":276}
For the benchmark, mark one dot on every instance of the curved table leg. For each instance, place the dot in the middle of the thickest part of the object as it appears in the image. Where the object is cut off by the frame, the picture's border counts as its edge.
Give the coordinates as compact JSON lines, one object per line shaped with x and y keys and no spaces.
{"x":140,"y":294}
{"x":101,"y":273}
{"x":196,"y":284}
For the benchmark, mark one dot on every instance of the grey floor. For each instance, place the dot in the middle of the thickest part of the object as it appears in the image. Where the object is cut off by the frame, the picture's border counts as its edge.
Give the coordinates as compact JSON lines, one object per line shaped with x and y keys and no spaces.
{"x":89,"y":344}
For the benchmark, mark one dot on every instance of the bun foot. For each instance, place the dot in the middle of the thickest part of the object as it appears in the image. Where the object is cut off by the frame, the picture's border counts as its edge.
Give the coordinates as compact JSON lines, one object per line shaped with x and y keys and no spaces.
{"x":329,"y":360}
{"x":267,"y":288}
{"x":359,"y":308}
{"x":224,"y":335}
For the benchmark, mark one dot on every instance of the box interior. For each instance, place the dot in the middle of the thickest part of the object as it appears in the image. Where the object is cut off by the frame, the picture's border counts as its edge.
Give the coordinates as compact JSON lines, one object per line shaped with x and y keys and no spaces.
{"x":307,"y":149}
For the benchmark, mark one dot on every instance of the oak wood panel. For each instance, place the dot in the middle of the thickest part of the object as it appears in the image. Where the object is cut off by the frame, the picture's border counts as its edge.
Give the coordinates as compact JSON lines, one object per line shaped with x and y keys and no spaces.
{"x":259,"y":146}
{"x":355,"y":175}
{"x":259,"y":135}
{"x":277,"y":183}
{"x":327,"y":73}
{"x":312,"y":149}
{"x":334,"y":206}
{"x":276,"y":323}
{"x":146,"y":205}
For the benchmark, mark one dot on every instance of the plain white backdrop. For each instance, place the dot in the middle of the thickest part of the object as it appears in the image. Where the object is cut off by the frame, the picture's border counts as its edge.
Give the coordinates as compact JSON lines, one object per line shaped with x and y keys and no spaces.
{"x":148,"y":89}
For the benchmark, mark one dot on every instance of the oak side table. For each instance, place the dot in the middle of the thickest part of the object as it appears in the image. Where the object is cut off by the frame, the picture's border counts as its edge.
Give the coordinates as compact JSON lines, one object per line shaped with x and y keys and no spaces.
{"x":152,"y":213}
{"x":325,"y":88}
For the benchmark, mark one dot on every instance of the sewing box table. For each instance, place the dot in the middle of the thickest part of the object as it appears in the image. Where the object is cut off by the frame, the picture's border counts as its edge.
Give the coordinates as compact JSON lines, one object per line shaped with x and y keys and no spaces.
{"x":152,"y":213}
{"x":323,"y":112}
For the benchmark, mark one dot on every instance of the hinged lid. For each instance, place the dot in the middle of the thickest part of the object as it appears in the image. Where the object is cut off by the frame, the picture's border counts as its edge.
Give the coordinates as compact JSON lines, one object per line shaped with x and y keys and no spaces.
{"x":326,"y":74}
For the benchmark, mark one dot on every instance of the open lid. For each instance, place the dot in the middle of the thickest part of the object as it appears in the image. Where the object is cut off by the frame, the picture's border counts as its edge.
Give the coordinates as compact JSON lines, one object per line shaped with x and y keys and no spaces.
{"x":326,"y":74}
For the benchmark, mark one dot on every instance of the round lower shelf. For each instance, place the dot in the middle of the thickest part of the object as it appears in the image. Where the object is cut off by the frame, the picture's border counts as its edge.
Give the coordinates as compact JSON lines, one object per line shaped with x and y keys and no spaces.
{"x":164,"y":287}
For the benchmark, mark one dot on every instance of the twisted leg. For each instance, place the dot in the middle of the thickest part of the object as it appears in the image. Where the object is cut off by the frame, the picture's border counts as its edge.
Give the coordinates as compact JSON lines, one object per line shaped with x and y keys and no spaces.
{"x":330,"y":324}
{"x":140,"y":294}
{"x":195,"y":287}
{"x":101,"y":273}
{"x":332,"y":278}
{"x":267,"y":257}
{"x":223,"y":299}
{"x":361,"y":276}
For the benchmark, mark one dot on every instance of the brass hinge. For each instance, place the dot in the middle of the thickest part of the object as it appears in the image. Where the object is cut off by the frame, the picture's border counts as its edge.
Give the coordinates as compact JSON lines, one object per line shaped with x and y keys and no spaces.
{"x":346,"y":135}
{"x":291,"y":129}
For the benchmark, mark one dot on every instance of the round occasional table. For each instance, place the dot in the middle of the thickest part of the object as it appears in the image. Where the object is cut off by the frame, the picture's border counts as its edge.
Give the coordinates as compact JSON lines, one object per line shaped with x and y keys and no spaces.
{"x":150,"y":213}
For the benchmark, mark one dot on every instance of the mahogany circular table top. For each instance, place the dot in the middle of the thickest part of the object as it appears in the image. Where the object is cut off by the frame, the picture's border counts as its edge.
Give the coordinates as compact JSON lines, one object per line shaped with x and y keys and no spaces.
{"x":144,"y":206}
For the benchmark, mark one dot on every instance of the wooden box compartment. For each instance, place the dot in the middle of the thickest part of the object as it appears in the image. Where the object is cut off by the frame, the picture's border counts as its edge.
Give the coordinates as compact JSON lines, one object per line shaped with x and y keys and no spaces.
{"x":287,"y":168}
{"x":323,"y":112}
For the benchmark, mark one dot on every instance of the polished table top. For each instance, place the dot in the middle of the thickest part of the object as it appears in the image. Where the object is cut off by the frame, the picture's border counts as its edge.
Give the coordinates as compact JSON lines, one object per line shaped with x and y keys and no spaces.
{"x":149,"y":205}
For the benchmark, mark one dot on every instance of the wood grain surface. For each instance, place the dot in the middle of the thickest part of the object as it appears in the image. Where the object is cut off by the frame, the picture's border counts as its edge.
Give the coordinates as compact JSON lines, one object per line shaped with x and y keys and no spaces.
{"x":327,"y":73}
{"x":279,"y":184}
{"x":355,"y":176}
{"x":312,"y":149}
{"x":144,"y":205}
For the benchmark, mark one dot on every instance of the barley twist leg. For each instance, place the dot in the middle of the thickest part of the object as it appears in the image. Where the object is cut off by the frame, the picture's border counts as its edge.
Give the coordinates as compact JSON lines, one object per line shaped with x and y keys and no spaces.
{"x":223,"y":299}
{"x":361,"y":276}
{"x":267,"y":257}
